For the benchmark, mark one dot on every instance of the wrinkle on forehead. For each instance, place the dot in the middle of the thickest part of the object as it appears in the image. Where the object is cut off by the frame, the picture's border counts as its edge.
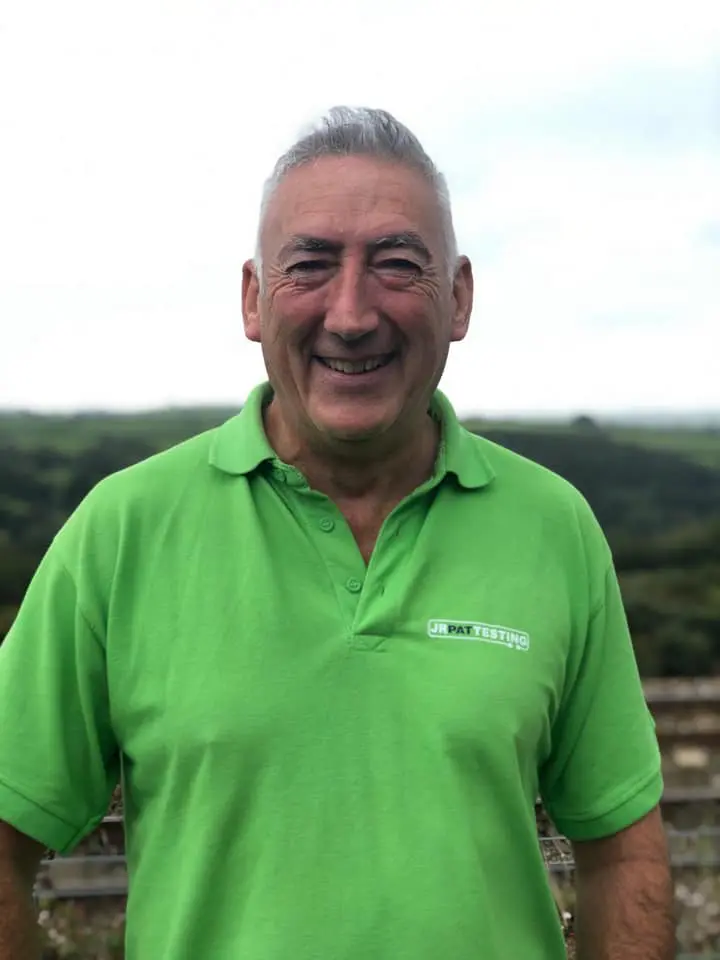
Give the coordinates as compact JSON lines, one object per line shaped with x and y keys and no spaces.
{"x":348,"y":199}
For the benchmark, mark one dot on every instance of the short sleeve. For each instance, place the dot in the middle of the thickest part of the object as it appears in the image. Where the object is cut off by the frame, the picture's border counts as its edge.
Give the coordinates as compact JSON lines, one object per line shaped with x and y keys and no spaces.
{"x":58,"y":757}
{"x":604,"y":771}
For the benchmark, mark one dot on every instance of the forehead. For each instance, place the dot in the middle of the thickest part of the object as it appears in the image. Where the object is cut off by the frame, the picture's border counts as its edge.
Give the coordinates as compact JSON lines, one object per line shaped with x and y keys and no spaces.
{"x":351,"y":199}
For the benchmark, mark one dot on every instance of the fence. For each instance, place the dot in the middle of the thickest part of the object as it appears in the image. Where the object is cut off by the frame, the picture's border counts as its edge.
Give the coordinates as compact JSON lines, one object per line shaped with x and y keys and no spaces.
{"x":104,"y":874}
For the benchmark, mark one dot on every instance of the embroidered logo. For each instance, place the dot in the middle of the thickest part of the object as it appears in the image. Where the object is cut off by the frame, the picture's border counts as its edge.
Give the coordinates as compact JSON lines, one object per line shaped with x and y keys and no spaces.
{"x":483,"y":632}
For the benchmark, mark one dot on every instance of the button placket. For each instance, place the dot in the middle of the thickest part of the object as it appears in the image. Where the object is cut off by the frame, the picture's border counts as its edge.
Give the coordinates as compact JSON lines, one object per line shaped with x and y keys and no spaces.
{"x":336,"y":545}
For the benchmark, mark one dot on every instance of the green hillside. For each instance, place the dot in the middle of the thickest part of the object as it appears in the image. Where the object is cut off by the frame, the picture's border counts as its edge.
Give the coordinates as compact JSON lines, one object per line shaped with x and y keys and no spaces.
{"x":655,"y":491}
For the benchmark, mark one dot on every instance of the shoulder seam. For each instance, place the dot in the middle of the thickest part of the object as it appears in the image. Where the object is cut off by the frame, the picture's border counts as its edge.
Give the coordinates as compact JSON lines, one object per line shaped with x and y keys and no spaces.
{"x":85,"y":617}
{"x":601,"y":602}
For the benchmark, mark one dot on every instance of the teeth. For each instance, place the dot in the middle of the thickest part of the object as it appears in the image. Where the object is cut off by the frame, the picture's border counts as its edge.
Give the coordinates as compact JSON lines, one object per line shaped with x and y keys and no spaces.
{"x":358,"y":366}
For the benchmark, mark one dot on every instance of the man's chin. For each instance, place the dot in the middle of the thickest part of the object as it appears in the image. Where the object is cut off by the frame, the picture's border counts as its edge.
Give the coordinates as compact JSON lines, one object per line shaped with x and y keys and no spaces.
{"x":353,"y":434}
{"x":355,"y":421}
{"x":352,"y":430}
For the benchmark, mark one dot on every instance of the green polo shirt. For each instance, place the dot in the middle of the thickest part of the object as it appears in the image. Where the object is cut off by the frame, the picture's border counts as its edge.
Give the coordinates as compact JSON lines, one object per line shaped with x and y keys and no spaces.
{"x":323,"y":760}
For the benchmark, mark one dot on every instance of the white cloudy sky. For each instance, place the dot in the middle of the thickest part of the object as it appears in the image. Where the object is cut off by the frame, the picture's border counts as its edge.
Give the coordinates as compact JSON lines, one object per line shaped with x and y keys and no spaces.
{"x":581,"y":142}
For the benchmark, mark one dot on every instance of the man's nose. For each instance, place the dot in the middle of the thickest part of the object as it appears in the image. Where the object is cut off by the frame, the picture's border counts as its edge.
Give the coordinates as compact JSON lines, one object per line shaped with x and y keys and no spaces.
{"x":349,"y":313}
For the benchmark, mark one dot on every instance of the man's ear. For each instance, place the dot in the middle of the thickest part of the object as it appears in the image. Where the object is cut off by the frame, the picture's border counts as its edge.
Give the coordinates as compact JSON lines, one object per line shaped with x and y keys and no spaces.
{"x":251,"y":301}
{"x":463,"y":286}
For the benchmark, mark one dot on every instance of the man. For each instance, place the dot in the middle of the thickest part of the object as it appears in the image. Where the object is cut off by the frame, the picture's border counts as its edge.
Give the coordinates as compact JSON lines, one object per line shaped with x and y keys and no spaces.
{"x":337,"y":646}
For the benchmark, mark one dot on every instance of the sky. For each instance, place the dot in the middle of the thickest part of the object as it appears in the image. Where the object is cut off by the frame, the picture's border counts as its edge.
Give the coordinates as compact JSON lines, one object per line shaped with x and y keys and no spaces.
{"x":581,"y":143}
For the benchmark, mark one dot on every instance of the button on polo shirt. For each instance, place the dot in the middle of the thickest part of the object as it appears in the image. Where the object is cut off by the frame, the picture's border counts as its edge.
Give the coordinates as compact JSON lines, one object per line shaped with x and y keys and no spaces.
{"x":322,"y":758}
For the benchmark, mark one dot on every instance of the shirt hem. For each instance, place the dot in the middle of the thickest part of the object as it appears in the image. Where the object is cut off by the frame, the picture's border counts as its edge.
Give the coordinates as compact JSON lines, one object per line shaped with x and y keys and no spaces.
{"x":642,"y":797}
{"x":30,"y":818}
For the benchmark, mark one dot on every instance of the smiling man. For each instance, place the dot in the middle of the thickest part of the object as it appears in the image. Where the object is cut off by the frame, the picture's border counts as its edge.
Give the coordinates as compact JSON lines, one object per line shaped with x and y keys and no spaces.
{"x":358,"y":297}
{"x":336,"y":647}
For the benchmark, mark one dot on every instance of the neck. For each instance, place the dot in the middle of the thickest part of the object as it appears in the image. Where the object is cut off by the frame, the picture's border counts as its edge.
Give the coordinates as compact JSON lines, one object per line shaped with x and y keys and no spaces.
{"x":382,"y":472}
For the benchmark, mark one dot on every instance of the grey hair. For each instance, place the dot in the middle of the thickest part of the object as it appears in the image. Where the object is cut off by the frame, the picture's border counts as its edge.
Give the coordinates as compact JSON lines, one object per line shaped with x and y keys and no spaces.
{"x":362,"y":131}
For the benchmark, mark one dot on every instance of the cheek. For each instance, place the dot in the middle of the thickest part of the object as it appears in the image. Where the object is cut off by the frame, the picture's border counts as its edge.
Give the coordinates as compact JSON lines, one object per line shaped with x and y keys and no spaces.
{"x":292,"y":315}
{"x":427,"y":328}
{"x":278,"y":329}
{"x":283,"y":347}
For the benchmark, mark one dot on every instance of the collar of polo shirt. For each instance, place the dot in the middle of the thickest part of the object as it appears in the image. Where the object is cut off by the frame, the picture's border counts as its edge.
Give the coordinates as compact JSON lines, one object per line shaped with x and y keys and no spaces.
{"x":240,"y":445}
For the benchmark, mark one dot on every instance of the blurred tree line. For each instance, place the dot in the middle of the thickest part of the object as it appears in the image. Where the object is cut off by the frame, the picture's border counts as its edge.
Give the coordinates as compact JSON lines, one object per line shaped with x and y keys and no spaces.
{"x":659,"y":506}
{"x":661,"y":513}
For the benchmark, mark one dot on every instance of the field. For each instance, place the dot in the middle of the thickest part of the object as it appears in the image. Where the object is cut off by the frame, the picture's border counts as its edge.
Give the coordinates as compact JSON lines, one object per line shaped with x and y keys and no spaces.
{"x":73,"y":433}
{"x":26,"y":431}
{"x":703,"y":446}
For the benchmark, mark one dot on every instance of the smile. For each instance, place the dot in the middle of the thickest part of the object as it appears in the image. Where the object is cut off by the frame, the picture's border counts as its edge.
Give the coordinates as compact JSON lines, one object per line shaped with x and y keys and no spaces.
{"x":356,"y":366}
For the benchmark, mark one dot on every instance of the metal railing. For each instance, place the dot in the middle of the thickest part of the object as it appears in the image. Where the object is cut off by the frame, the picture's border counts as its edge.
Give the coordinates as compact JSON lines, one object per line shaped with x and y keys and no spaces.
{"x":697,"y":850}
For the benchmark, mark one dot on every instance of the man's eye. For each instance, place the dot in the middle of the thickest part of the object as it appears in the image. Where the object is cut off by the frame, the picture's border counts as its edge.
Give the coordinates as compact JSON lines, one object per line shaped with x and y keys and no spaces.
{"x":398,"y":265}
{"x":308,"y":266}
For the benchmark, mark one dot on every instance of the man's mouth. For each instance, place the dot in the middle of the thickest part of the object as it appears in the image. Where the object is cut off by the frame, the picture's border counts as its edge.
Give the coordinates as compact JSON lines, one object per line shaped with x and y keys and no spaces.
{"x":357,"y":366}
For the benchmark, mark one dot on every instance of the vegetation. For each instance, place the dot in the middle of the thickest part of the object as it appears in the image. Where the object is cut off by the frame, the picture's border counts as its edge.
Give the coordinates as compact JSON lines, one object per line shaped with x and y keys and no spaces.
{"x":656,"y":492}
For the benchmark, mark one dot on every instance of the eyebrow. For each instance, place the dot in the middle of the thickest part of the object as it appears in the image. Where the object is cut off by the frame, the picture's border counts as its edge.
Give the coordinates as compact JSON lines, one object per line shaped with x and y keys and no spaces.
{"x":308,"y":244}
{"x":304,"y":243}
{"x":407,"y":239}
